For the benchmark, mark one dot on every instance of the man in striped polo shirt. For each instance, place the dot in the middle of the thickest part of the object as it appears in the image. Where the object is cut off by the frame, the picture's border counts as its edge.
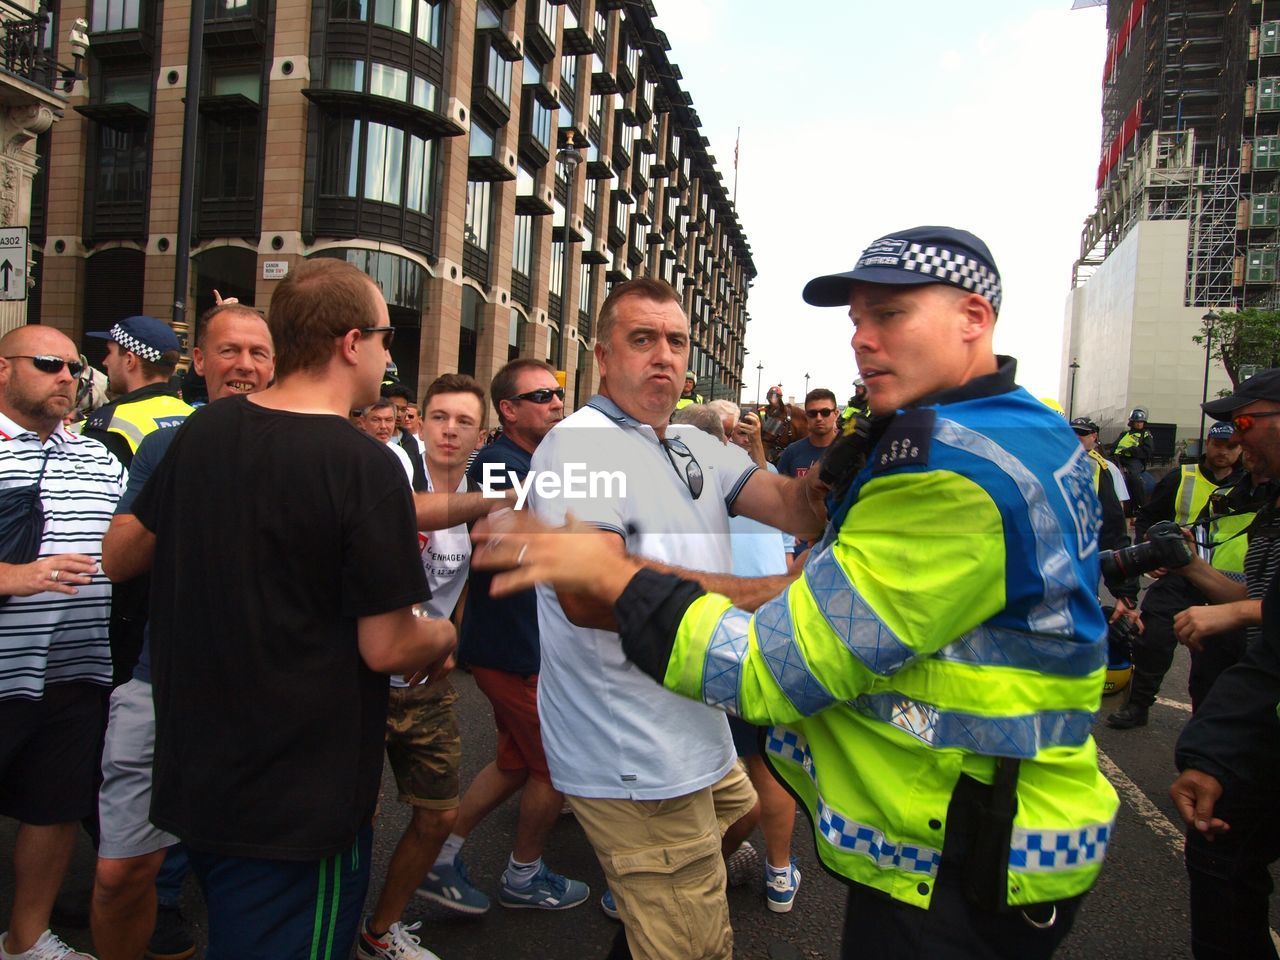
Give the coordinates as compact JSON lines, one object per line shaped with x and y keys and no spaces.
{"x":55,"y":665}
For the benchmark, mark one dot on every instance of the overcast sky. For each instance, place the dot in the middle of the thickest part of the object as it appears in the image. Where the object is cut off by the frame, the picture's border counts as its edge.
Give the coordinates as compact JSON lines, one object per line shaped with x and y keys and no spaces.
{"x":860,"y":118}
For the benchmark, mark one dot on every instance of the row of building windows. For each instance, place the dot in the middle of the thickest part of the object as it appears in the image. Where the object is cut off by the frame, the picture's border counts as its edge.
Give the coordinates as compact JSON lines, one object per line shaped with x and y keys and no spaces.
{"x":385,"y":156}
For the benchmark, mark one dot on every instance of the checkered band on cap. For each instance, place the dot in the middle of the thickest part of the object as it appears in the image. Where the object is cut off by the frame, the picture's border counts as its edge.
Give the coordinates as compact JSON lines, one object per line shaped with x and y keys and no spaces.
{"x":134,"y":345}
{"x":953,"y":268}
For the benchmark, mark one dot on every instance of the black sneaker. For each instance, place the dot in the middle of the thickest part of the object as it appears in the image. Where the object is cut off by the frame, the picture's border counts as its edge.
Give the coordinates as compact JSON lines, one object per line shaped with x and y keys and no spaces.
{"x":1128,"y":717}
{"x":171,"y":939}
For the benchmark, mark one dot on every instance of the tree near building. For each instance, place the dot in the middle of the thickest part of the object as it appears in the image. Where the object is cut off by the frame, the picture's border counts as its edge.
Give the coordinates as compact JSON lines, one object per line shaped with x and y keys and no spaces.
{"x":1241,"y":339}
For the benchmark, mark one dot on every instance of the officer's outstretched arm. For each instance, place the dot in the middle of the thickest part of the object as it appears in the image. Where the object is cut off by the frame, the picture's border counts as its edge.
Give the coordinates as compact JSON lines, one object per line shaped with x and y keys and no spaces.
{"x":917,"y":566}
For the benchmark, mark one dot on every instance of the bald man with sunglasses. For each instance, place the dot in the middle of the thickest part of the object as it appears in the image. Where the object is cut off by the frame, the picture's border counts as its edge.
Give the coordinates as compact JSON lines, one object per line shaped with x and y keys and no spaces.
{"x":53,"y":627}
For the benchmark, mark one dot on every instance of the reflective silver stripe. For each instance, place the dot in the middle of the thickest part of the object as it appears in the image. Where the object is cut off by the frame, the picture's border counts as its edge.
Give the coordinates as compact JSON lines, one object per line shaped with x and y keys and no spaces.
{"x":844,"y":833}
{"x":851,"y":619}
{"x":1047,"y":851}
{"x":1052,"y":615}
{"x":1018,"y":736}
{"x":722,"y":666}
{"x":129,"y":431}
{"x":1000,"y":647}
{"x":785,"y":661}
{"x":1186,"y":493}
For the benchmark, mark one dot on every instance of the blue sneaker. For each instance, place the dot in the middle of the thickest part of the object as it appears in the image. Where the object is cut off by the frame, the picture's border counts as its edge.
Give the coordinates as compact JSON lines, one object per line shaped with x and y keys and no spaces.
{"x":546,"y":891}
{"x":780,"y":890}
{"x":609,"y":907}
{"x":450,"y":887}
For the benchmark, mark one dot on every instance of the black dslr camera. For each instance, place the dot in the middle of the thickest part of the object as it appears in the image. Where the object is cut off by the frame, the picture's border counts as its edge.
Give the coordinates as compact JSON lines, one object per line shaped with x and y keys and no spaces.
{"x":1165,"y":546}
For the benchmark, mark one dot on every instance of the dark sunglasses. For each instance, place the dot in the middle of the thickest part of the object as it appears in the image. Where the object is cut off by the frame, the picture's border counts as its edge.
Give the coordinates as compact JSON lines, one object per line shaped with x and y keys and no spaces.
{"x":540,"y":396}
{"x":820,"y":412}
{"x":389,"y":335}
{"x":691,"y":472}
{"x":47,"y":364}
{"x":1244,"y":422}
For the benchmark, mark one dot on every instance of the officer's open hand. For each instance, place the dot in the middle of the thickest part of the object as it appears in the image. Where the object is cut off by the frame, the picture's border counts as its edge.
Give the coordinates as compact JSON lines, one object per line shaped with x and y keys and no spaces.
{"x":577,"y":557}
{"x":1194,"y":794}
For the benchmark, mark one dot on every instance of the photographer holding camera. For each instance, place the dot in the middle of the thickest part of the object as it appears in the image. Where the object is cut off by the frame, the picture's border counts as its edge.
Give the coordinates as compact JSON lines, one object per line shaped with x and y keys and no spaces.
{"x":1178,"y":497}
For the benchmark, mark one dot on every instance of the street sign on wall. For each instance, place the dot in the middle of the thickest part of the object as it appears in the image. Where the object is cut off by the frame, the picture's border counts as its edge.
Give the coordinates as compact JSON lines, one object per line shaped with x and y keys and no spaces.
{"x":13,"y":263}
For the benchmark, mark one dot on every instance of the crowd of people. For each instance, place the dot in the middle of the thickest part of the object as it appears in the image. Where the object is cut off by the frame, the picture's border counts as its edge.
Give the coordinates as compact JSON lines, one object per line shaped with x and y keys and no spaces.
{"x":232,"y":617}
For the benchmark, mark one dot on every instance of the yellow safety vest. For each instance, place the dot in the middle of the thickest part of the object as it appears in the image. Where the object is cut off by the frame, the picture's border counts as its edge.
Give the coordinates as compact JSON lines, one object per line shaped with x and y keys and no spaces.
{"x":1099,"y":464}
{"x":136,"y":419}
{"x":1194,"y":491}
{"x":1130,"y":439}
{"x":883,"y":683}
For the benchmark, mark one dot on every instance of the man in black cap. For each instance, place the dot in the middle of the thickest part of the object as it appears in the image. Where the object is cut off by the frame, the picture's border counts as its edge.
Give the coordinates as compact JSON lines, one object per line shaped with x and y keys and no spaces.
{"x":1180,"y":496}
{"x":1229,"y":753}
{"x":929,"y":682}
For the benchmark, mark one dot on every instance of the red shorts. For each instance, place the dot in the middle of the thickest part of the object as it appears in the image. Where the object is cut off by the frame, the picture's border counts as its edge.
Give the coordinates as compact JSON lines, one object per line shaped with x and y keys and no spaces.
{"x":515,"y":712}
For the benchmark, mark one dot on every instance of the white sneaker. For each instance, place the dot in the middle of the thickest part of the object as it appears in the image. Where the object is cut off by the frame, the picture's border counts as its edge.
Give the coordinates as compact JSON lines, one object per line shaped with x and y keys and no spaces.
{"x":398,"y":943}
{"x":48,"y":947}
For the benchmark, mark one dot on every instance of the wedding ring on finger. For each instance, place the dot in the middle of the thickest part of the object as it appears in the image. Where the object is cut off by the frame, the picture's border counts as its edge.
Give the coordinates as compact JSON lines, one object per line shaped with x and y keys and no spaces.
{"x":520,"y":555}
{"x":55,"y":575}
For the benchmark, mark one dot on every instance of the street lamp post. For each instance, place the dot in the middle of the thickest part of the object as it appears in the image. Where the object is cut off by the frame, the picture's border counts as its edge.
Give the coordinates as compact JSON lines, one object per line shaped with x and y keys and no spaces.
{"x":1209,"y":319}
{"x":806,"y":384}
{"x":1073,"y":366}
{"x":569,"y":156}
{"x":759,"y":374}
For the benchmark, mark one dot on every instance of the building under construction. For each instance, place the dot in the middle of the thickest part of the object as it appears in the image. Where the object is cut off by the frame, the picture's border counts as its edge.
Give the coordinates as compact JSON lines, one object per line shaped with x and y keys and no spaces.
{"x":1188,"y":212}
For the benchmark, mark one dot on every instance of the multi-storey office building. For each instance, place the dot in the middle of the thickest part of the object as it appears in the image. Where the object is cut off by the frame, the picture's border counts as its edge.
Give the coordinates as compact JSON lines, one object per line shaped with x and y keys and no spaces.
{"x":1188,"y":214}
{"x":416,"y":138}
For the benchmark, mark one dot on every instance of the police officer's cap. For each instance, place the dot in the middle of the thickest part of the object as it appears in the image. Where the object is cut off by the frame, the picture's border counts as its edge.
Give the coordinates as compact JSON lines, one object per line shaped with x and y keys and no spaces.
{"x":1083,"y":426}
{"x":917,"y":256}
{"x":147,"y":337}
{"x":1221,"y":431}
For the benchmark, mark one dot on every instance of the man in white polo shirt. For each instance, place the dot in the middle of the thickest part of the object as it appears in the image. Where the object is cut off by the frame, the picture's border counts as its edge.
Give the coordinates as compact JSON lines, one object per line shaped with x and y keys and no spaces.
{"x":53,"y":628}
{"x":614,"y":746}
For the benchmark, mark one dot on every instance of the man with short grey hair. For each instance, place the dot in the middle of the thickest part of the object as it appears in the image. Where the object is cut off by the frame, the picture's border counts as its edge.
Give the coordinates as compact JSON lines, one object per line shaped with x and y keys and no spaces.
{"x":701,"y":416}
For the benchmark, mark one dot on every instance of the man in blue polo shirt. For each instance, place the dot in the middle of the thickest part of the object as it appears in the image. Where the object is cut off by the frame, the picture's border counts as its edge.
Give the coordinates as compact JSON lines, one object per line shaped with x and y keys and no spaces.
{"x":499,"y":641}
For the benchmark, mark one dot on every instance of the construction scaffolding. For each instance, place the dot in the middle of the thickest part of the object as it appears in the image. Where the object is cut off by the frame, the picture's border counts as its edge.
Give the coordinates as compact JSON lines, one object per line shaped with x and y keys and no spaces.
{"x":1163,"y":181}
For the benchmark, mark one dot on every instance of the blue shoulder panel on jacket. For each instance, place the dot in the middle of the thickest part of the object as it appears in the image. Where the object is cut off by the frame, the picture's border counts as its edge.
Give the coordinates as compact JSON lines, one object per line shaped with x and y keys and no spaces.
{"x":906,"y":443}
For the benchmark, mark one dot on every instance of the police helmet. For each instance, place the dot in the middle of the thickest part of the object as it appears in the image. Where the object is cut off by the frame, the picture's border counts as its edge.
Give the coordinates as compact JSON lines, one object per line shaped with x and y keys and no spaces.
{"x":1137,"y":413}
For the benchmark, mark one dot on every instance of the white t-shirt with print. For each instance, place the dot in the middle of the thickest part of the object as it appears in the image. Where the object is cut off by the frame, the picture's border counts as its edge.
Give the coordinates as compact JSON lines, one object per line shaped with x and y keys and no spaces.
{"x":446,"y":558}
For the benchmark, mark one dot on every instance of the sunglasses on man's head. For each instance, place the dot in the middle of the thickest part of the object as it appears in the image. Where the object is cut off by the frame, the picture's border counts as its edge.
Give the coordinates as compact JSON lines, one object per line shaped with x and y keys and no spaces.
{"x":819,"y":412}
{"x":50,"y":364}
{"x":540,"y":396}
{"x":1244,"y":422}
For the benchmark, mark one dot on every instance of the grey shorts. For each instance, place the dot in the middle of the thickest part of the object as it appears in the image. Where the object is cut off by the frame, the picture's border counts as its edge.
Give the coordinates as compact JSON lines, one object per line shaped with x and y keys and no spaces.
{"x":124,"y":802}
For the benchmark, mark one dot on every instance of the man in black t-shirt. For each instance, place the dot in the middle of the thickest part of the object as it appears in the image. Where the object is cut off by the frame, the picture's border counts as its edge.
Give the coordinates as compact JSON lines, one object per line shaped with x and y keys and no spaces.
{"x":269,"y":655}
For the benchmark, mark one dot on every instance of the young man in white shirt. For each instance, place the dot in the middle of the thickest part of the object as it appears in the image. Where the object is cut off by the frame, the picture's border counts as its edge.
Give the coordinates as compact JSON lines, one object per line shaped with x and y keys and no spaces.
{"x":422,"y":730}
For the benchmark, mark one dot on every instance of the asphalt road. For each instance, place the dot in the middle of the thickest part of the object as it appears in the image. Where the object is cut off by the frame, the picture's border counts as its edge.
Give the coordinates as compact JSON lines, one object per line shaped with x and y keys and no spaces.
{"x":1137,"y":910}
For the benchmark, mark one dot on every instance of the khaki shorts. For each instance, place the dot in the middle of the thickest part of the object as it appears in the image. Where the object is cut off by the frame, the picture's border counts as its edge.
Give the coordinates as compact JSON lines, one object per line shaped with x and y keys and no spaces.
{"x":663,"y":864}
{"x":423,"y":746}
